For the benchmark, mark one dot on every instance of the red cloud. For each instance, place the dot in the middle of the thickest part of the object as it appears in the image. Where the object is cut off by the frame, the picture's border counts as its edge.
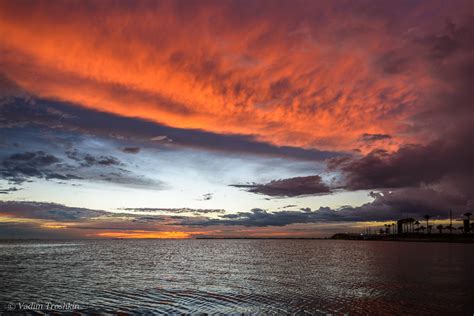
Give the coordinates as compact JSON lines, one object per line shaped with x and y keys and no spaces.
{"x":300,"y":74}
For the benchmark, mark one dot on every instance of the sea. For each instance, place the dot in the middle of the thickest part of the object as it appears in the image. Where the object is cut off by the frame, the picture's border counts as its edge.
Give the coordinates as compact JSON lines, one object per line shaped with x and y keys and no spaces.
{"x":234,"y":276}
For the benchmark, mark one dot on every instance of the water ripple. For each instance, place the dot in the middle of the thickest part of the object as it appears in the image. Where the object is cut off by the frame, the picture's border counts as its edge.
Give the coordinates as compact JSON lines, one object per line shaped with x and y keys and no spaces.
{"x":276,"y":277}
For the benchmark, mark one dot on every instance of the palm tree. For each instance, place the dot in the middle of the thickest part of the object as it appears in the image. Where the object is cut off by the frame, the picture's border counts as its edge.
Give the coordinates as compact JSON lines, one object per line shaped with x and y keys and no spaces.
{"x":417,"y":224}
{"x":427,"y":218}
{"x":450,"y":228}
{"x":440,"y":228}
{"x":422,"y":228}
{"x":430,"y":227}
{"x":468,"y":215}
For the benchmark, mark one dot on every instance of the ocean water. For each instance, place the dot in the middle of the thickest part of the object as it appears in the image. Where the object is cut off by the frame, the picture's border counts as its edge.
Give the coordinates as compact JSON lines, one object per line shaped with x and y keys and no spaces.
{"x":239,"y":276}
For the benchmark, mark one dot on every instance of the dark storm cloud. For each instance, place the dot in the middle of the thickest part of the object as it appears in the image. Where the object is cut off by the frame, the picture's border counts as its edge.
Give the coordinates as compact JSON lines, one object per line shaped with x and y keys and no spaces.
{"x":450,"y":53}
{"x":108,"y":168}
{"x":18,"y":168}
{"x":446,"y":160}
{"x":74,"y":219}
{"x":88,"y":160}
{"x":454,"y":39}
{"x":411,"y":165}
{"x":38,"y":158}
{"x":393,"y":62}
{"x":81,"y":218}
{"x":386,"y":206}
{"x":374,"y":137}
{"x":49,"y":211}
{"x":23,"y":167}
{"x":131,"y":150}
{"x":22,"y":112}
{"x":58,"y":176}
{"x":290,"y":187}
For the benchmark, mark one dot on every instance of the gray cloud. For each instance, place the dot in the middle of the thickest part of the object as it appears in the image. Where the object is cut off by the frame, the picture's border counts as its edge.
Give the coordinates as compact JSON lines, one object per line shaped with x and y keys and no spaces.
{"x":444,"y":161}
{"x":33,"y":112}
{"x":386,"y":206}
{"x":207,"y":197}
{"x":49,"y":211}
{"x":57,"y":176}
{"x":88,"y":160}
{"x":290,"y":187}
{"x":373,"y":137}
{"x":175,"y":210}
{"x":9,"y":190}
{"x":131,"y":150}
{"x":411,"y":165}
{"x":18,"y":168}
{"x":27,"y":166}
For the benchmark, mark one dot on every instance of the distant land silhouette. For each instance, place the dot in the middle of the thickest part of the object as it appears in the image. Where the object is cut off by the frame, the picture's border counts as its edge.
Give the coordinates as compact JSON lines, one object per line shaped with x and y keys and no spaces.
{"x":409,"y":229}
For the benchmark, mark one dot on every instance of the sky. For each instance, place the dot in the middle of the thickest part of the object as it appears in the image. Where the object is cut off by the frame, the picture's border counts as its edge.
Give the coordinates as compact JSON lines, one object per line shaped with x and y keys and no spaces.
{"x":184,"y":119}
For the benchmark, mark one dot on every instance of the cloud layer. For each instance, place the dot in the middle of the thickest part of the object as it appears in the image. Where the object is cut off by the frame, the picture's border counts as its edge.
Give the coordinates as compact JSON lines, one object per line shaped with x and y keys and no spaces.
{"x":281,"y":67}
{"x":49,"y":211}
{"x":27,"y":111}
{"x":386,"y":206}
{"x":380,"y":93}
{"x":291,"y":187}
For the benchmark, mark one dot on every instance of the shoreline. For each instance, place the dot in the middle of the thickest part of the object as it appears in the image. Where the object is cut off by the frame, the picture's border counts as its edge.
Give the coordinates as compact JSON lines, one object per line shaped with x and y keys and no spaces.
{"x":444,"y":238}
{"x":350,"y":237}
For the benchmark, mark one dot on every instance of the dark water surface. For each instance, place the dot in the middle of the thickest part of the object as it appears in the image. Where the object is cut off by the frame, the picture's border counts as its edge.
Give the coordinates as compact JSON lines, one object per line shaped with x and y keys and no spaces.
{"x":241,"y":276}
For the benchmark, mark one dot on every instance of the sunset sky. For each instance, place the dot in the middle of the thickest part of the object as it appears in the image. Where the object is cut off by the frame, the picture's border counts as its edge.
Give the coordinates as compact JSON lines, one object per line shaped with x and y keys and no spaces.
{"x":178,"y":119}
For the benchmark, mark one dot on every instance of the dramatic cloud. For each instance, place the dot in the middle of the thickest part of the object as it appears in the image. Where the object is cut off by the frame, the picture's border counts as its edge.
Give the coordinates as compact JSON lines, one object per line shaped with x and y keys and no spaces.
{"x":32,"y":112}
{"x":27,"y":166}
{"x":27,"y":219}
{"x":114,"y":92}
{"x":58,"y":176}
{"x":49,"y":211}
{"x":87,"y":160}
{"x":386,"y":206}
{"x":18,"y":168}
{"x":444,"y":160}
{"x":374,"y":137}
{"x":282,"y":67}
{"x":412,"y":165}
{"x":288,"y":187}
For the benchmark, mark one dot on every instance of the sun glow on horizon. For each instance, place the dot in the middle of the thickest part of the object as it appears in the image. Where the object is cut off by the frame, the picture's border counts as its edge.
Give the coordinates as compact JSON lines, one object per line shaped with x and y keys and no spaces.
{"x":143,"y":234}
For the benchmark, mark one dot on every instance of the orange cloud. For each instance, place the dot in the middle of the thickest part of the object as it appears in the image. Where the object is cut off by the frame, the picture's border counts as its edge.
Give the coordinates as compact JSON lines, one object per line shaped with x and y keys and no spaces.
{"x":54,"y":225}
{"x":282,"y":75}
{"x":145,"y":234}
